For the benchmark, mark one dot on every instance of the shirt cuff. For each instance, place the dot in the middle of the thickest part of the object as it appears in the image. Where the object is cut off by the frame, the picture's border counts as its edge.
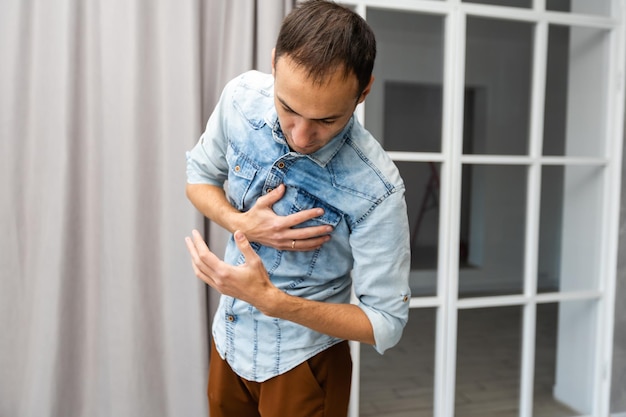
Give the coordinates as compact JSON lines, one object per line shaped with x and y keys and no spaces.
{"x":387,"y":329}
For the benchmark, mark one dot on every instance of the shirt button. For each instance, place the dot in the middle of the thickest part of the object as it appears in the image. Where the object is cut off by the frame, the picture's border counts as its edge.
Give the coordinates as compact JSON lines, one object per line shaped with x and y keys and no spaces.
{"x":269,"y":190}
{"x":237,"y":168}
{"x":405,"y":298}
{"x":230,"y":318}
{"x":281,"y":165}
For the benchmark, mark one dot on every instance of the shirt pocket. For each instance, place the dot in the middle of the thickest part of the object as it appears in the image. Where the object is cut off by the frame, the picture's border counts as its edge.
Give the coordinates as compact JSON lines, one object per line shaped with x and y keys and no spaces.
{"x":304,"y":201}
{"x":242,"y":171}
{"x":304,"y":273}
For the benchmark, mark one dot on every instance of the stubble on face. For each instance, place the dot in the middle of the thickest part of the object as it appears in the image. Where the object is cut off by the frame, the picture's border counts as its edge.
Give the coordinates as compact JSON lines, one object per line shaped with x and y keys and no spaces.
{"x":312,"y":113}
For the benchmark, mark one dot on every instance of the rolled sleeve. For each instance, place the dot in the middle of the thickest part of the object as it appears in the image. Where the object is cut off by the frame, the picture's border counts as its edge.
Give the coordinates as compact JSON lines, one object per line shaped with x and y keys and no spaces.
{"x":381,"y":269}
{"x":206,"y":161}
{"x":204,"y":165}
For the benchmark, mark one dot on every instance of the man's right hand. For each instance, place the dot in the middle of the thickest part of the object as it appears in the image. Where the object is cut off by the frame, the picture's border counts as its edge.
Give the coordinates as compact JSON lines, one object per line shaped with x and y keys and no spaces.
{"x":261,"y":224}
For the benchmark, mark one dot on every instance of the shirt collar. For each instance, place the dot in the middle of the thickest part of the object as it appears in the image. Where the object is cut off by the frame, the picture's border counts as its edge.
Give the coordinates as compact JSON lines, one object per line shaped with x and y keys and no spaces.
{"x":321,"y":157}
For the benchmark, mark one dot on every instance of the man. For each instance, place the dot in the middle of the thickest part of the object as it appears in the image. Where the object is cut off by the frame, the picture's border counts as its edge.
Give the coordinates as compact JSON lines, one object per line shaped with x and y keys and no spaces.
{"x":316,"y":207}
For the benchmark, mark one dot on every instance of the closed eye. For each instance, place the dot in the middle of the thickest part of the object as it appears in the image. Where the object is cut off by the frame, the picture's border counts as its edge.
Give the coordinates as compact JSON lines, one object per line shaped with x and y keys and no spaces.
{"x":288,"y":109}
{"x":325,"y":121}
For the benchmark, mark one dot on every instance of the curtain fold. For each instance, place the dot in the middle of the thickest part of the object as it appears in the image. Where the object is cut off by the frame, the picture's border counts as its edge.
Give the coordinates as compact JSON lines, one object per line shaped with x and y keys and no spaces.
{"x":101,"y":313}
{"x":241,"y":38}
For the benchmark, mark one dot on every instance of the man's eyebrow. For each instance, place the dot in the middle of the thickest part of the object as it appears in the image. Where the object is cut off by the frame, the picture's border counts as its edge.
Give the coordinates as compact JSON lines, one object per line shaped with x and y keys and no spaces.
{"x":287,"y":107}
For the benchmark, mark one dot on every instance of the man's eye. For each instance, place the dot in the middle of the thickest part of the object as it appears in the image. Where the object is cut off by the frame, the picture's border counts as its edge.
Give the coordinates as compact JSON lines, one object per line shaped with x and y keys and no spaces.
{"x":327,"y":122}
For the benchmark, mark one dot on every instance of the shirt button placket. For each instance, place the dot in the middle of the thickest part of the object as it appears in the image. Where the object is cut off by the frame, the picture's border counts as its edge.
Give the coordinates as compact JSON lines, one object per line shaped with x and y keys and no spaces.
{"x":275,"y":177}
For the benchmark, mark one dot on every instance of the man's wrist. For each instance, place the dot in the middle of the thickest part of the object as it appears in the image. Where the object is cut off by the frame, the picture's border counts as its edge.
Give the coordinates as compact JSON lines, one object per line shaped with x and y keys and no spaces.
{"x":234,"y":222}
{"x":273,"y":302}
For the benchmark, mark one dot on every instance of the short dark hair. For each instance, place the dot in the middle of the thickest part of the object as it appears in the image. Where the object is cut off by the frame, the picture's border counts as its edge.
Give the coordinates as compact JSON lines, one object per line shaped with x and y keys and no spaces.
{"x":320,"y":35}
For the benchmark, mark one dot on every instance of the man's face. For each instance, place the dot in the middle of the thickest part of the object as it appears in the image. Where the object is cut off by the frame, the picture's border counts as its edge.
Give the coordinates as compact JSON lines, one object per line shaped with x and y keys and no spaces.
{"x":310,"y":113}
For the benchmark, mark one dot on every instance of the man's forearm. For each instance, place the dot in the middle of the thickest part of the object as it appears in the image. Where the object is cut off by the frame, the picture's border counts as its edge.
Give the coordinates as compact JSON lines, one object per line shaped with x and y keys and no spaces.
{"x":344,"y":321}
{"x":211,"y":201}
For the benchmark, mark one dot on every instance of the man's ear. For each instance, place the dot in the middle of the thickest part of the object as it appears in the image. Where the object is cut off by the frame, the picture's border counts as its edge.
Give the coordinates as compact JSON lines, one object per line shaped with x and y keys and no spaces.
{"x":273,"y":63}
{"x":366,"y":91}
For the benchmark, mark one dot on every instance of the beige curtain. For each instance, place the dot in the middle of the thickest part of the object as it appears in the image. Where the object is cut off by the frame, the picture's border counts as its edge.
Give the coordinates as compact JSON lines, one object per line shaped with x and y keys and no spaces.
{"x":227,"y":42}
{"x":100,"y":312}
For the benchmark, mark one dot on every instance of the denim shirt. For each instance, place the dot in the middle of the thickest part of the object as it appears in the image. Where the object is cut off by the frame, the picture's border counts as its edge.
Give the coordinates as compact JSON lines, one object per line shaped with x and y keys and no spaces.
{"x":362,"y":194}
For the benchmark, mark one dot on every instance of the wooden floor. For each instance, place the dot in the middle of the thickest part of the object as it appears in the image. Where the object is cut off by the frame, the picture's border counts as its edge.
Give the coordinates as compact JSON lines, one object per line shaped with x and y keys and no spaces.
{"x":400,"y":383}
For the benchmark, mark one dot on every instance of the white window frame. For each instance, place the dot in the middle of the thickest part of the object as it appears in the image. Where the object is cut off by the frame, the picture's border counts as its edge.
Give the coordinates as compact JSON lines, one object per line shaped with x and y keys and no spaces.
{"x":455,"y":14}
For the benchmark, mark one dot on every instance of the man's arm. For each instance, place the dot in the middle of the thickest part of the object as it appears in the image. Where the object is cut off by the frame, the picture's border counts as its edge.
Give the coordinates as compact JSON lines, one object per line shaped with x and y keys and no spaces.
{"x":260,"y":224}
{"x":249,"y":282}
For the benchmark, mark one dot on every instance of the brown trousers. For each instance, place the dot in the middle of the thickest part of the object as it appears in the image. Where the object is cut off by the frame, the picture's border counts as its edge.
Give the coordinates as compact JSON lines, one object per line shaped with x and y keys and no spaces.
{"x":319,"y":387}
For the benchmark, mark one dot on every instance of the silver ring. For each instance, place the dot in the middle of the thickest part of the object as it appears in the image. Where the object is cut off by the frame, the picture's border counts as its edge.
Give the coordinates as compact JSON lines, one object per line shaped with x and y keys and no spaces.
{"x":293,"y":244}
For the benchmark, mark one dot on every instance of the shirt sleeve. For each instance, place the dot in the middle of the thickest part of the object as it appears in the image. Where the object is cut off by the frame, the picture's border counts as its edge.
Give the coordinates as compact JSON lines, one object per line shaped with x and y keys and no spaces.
{"x":206,"y":161}
{"x":381,"y":250}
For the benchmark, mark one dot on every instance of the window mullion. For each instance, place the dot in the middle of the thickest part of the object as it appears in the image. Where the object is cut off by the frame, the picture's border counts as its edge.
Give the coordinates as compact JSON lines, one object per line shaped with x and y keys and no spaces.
{"x":540,"y":53}
{"x":454,"y":87}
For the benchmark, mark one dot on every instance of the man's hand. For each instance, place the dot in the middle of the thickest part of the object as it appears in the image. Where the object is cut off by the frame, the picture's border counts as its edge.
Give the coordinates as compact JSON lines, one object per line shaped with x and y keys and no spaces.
{"x":248,"y":282}
{"x":261,"y":224}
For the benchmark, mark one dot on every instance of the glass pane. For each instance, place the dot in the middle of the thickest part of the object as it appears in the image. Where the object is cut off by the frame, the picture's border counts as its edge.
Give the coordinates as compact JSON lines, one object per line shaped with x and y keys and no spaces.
{"x":404,"y":108}
{"x":593,"y":7}
{"x":401,"y":382}
{"x":576,"y":97}
{"x":422,"y":197}
{"x":497,"y":84}
{"x":509,"y":3}
{"x":564,"y":353}
{"x":569,"y":228}
{"x":493,"y":218}
{"x":488,"y":362}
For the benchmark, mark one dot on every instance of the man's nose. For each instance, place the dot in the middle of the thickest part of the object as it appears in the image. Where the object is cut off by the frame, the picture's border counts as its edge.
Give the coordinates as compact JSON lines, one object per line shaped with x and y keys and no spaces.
{"x":302,"y":131}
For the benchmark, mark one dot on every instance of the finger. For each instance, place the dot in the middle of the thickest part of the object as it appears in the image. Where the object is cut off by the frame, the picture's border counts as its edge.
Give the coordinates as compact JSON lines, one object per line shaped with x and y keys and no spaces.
{"x":205,"y":260}
{"x":198,"y":241}
{"x":195,"y":261}
{"x":244,"y":245}
{"x":305,"y":245}
{"x":251,"y":257}
{"x":272,"y":197}
{"x":191,"y":248}
{"x":193,"y":251}
{"x":303,"y":216}
{"x":311,"y":232}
